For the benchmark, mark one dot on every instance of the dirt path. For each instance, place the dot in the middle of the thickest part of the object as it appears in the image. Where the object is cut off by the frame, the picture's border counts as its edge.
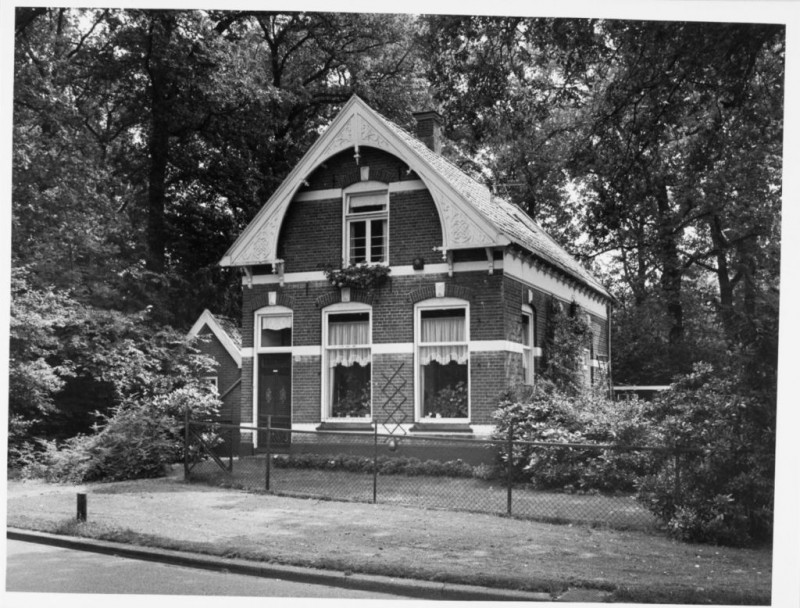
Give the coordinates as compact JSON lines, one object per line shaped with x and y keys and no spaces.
{"x":398,"y":541}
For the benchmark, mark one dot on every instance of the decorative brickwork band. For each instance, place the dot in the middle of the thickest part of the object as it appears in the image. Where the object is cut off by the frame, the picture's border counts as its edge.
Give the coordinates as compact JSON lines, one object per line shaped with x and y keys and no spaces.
{"x":427,"y":292}
{"x":262,"y":299}
{"x":346,"y":179}
{"x":334,"y":297}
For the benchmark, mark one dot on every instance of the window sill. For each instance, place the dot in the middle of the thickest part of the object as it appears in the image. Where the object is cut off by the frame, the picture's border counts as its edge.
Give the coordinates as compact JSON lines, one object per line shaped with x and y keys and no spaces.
{"x":441,"y":427}
{"x":355,"y":425}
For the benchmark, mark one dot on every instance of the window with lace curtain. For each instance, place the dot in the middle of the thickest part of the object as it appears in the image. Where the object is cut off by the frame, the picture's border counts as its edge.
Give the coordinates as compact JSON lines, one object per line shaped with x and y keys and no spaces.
{"x":442,"y":354}
{"x":527,"y":335}
{"x":347,"y":363}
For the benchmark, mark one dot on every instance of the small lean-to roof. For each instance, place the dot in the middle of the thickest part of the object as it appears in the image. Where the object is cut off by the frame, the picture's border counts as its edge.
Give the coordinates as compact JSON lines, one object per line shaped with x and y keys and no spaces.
{"x":225,"y":330}
{"x":509,"y":219}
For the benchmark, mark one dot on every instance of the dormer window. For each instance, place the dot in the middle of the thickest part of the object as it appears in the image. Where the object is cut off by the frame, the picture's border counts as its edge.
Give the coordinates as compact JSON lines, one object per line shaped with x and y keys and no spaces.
{"x":366,"y":235}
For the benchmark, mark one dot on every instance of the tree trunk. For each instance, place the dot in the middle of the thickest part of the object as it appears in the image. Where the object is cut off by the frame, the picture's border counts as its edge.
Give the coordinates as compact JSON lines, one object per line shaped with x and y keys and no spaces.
{"x":160,"y":32}
{"x":671,"y":269}
{"x":726,"y":285}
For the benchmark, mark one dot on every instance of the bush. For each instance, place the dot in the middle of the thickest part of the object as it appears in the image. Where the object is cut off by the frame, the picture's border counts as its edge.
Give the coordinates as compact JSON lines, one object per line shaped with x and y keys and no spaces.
{"x":397,"y":465}
{"x":726,"y":492}
{"x":548,"y":415}
{"x":136,"y":441}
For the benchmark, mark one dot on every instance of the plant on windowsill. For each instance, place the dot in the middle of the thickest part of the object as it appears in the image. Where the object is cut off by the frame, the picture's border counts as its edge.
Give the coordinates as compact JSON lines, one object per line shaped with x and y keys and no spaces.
{"x":449,"y":402}
{"x":353,"y":404}
{"x":358,"y":276}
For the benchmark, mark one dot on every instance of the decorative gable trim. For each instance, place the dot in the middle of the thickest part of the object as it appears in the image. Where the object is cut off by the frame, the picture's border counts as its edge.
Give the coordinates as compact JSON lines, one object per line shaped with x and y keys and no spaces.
{"x":358,"y":125}
{"x":208,"y":319}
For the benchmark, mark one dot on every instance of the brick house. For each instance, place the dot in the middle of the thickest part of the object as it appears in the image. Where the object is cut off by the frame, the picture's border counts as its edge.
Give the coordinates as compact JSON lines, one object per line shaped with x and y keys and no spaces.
{"x":220,"y":339}
{"x":461,"y":317}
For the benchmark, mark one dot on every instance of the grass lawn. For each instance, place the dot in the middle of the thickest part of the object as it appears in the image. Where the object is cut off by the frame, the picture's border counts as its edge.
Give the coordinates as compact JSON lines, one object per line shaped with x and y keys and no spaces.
{"x":458,"y":494}
{"x":399,"y":541}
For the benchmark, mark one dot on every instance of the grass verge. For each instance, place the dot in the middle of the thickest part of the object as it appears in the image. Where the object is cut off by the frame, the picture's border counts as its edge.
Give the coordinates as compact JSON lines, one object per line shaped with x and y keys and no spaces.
{"x":401,"y":542}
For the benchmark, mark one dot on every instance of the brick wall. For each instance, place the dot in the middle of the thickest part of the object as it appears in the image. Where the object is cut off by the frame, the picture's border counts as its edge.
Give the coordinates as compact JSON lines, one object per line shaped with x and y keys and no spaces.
{"x":227,"y":373}
{"x":311,"y":234}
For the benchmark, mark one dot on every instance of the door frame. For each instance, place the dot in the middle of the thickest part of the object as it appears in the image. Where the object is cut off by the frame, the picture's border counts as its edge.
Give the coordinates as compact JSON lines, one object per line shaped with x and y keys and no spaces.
{"x":269,"y":311}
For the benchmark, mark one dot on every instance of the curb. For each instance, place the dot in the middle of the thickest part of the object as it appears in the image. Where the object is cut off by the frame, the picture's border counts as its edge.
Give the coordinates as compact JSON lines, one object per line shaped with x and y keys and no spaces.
{"x":363,"y":582}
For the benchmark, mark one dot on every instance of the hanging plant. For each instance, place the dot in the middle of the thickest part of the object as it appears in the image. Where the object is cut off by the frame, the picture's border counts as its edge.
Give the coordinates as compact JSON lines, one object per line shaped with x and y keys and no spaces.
{"x":358,"y":276}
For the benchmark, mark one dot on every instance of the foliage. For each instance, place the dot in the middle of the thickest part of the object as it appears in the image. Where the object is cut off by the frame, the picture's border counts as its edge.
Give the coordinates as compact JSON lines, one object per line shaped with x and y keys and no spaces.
{"x":395,"y":465}
{"x":145,"y":140}
{"x":358,"y":276}
{"x":550,"y":416}
{"x":726,"y":492}
{"x":655,"y":145}
{"x":35,"y":374}
{"x":568,"y":335}
{"x":450,"y":401}
{"x":136,"y":440}
{"x":150,"y":373}
{"x":354,"y":403}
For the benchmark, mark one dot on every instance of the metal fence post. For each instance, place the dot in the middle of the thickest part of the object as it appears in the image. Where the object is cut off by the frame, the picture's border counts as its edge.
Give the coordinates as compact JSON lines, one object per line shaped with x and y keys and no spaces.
{"x":230,"y":450}
{"x":186,"y":444}
{"x":677,"y":490}
{"x":509,"y":467}
{"x":375,"y":466}
{"x":269,"y":451}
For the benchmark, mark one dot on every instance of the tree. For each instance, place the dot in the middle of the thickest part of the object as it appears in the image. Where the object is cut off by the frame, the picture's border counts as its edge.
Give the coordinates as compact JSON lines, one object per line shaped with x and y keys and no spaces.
{"x":659,"y":142}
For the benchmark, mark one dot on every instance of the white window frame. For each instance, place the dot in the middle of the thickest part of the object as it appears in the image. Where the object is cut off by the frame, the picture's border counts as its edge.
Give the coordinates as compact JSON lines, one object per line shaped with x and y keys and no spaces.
{"x":528,"y":352}
{"x":326,"y":409}
{"x":267,"y":311}
{"x":354,"y":191}
{"x":213,"y":381}
{"x":439,"y":304}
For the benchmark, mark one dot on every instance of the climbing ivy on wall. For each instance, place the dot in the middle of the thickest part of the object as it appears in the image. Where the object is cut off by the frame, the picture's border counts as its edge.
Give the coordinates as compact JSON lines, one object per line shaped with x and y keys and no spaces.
{"x":567,"y":336}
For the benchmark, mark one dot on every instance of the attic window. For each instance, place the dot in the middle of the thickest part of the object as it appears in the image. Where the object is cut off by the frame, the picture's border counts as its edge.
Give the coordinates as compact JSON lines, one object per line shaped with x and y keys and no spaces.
{"x":366,"y":227}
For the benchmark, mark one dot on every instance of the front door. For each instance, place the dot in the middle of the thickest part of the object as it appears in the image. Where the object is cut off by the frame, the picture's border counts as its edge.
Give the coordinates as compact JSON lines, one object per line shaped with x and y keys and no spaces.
{"x":275,"y":396}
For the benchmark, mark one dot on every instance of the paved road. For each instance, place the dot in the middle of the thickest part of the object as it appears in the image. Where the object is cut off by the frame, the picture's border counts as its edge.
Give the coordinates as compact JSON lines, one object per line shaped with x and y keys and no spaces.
{"x":41,"y":568}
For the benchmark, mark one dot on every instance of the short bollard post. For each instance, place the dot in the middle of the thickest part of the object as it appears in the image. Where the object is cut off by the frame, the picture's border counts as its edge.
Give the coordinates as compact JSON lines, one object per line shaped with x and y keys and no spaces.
{"x":81,"y":507}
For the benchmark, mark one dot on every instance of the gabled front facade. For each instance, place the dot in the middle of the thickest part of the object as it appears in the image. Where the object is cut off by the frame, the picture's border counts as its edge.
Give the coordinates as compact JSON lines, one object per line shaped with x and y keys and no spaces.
{"x":220,"y":339}
{"x":461,"y":318}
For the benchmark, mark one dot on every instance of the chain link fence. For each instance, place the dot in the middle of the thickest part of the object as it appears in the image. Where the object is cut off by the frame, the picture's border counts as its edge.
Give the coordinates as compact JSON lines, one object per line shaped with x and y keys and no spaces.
{"x":549,"y":482}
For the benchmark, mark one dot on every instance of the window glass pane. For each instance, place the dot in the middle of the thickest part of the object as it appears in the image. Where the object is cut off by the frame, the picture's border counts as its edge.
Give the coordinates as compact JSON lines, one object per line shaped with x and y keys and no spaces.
{"x":349,"y":365}
{"x":377,"y":241}
{"x":276,"y":330}
{"x":444,"y":390}
{"x":526,"y":330}
{"x":367,"y":203}
{"x":447,"y":325}
{"x":351,"y":394}
{"x":358,"y":242}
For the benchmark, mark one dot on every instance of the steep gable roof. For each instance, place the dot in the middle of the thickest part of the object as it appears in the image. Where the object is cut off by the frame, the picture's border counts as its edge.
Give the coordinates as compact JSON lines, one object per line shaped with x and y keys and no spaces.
{"x":470,"y":214}
{"x":225,"y":330}
{"x":509,"y":219}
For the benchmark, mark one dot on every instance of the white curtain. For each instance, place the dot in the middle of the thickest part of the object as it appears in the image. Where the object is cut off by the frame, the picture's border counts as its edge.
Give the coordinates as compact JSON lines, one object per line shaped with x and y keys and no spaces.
{"x":443,"y":329}
{"x":276,"y":322}
{"x":349,"y":334}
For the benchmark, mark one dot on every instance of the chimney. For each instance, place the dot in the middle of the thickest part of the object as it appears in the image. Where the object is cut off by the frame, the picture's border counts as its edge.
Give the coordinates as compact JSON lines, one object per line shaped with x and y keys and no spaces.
{"x":429,"y":129}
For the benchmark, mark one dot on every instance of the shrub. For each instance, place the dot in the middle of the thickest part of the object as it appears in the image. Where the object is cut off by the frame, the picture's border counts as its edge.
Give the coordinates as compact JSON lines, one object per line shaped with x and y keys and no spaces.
{"x":135,"y":441}
{"x":726,"y":492}
{"x":548,"y":415}
{"x":397,"y":465}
